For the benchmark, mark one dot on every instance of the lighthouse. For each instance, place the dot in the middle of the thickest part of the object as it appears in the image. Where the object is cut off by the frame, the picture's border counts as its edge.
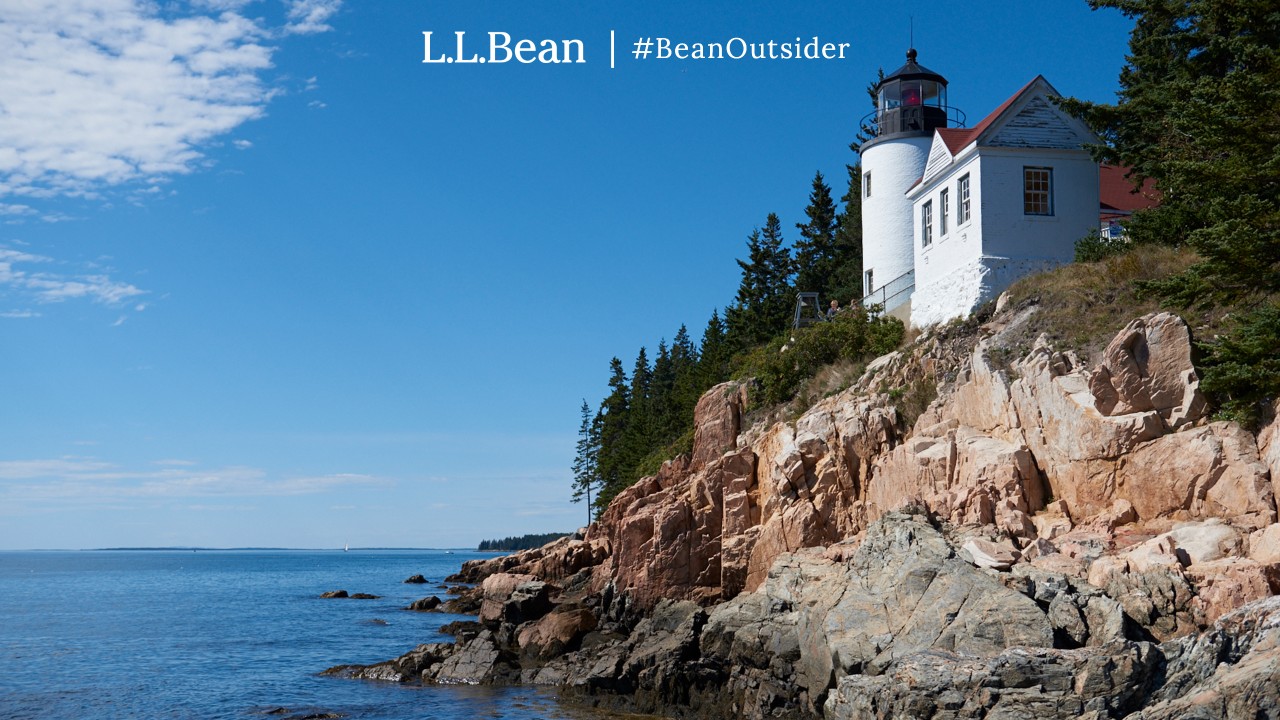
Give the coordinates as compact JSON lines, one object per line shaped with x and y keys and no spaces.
{"x":911,"y":103}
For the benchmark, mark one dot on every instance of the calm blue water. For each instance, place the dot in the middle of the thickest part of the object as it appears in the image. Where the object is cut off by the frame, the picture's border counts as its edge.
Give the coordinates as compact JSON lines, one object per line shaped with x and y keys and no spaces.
{"x":225,"y":634}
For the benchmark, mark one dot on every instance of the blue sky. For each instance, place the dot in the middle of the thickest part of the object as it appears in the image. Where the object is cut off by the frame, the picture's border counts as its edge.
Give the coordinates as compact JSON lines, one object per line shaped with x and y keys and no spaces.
{"x":266,"y":278}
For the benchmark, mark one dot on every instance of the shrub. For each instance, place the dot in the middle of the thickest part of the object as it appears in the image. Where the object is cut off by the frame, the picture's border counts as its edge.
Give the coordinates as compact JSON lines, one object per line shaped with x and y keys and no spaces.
{"x":1242,"y":369}
{"x":1093,"y":247}
{"x":781,"y":366}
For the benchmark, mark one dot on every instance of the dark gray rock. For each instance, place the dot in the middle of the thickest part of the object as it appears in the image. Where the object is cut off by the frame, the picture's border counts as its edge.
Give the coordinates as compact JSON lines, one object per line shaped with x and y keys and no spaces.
{"x":426,"y":604}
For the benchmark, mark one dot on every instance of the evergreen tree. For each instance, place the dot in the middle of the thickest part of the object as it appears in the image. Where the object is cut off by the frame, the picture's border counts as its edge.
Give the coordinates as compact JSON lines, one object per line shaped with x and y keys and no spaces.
{"x":866,"y":131}
{"x":662,"y":389}
{"x":586,"y":473}
{"x":688,"y":383}
{"x":640,"y":424}
{"x":1199,"y":113}
{"x":764,"y":299}
{"x":714,"y":353}
{"x":816,"y":257}
{"x":613,"y":459}
{"x":846,"y":283}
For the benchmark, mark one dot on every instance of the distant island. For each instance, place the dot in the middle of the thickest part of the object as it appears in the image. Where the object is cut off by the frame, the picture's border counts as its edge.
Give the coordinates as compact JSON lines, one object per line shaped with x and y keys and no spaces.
{"x":523,"y":542}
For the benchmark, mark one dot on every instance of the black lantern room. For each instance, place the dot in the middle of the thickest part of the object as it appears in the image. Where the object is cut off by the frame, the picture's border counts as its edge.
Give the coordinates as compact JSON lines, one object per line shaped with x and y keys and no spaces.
{"x":913,"y":101}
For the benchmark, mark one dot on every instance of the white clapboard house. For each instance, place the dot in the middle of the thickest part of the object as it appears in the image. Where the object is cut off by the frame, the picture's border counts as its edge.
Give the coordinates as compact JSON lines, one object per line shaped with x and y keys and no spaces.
{"x":951,"y":216}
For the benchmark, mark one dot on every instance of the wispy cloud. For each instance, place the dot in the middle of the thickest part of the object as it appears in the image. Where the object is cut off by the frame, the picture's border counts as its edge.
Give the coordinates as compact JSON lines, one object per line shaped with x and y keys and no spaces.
{"x":35,"y":278}
{"x":15,"y":209}
{"x":102,"y":92}
{"x":89,"y":479}
{"x":310,"y":16}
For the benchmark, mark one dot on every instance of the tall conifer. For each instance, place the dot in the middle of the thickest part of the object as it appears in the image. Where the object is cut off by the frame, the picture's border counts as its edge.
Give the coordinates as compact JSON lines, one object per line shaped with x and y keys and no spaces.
{"x":816,"y":257}
{"x":765,"y":295}
{"x":586,"y":473}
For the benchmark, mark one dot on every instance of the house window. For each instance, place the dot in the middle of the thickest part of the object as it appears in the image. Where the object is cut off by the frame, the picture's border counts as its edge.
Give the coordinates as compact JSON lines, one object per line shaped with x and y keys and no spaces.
{"x":1037,"y":191}
{"x":866,"y":184}
{"x":944,"y":207}
{"x":962,"y":211}
{"x":926,"y":224}
{"x":870,"y":282}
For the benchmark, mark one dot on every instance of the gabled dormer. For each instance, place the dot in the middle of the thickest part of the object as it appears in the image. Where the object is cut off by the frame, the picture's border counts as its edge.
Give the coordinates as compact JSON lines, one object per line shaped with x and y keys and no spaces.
{"x":1028,"y":119}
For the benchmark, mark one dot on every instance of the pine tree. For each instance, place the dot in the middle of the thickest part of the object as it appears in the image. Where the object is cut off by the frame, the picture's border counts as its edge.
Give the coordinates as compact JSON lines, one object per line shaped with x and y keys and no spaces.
{"x":662,"y":389}
{"x":613,"y":459}
{"x":765,"y":295}
{"x":640,"y":426}
{"x":866,"y":131}
{"x":714,"y":353}
{"x":816,"y":258}
{"x":688,"y":385}
{"x":846,"y":282}
{"x":1199,"y":113}
{"x":586,"y":473}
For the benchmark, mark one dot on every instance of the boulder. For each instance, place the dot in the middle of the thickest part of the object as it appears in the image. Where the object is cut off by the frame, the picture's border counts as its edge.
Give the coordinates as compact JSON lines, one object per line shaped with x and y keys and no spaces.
{"x":529,"y":601}
{"x":496,"y":590}
{"x":1226,"y":584}
{"x":554,"y":634}
{"x":415,"y":580}
{"x":987,"y":554}
{"x":334,"y":594}
{"x":1264,"y":545}
{"x":477,"y":661}
{"x":426,"y":604}
{"x":1147,"y":367}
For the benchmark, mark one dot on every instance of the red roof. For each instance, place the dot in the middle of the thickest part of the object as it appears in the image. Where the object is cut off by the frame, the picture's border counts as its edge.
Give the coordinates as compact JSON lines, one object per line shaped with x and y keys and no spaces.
{"x":957,"y":138}
{"x":1116,"y":192}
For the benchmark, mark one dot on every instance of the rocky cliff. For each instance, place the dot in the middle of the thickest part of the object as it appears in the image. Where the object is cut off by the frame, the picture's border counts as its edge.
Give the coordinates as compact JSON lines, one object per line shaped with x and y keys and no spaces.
{"x":1048,"y":538}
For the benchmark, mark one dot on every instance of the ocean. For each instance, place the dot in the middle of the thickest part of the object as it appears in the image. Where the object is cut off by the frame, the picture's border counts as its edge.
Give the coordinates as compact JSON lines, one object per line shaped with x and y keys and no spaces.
{"x":236,"y":634}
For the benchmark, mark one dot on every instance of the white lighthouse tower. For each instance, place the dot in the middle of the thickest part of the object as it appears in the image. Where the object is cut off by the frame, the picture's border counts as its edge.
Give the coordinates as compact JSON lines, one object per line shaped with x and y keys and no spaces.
{"x":910,"y":104}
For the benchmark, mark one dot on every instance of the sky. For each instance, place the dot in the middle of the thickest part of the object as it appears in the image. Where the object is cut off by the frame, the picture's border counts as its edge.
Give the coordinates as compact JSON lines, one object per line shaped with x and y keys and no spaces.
{"x":267,"y":278}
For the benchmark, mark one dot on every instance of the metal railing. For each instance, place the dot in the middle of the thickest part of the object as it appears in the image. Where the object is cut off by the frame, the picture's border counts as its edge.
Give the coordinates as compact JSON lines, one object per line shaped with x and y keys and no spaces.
{"x":893,"y":293}
{"x":915,"y":117}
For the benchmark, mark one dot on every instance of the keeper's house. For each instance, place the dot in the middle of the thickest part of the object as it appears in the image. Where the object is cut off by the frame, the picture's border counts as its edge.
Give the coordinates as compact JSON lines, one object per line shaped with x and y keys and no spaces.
{"x":951,"y":216}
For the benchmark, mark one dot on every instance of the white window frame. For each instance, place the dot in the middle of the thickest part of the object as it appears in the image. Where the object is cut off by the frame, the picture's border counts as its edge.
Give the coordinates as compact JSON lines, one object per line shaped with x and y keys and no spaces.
{"x":1037,"y":191}
{"x":866,"y":184}
{"x":964,"y":210}
{"x":926,"y":224}
{"x":944,"y":204}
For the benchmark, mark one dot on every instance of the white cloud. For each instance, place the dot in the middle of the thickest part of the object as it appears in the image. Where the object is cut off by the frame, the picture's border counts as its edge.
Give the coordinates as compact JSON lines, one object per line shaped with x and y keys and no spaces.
{"x":44,"y":286}
{"x":19,"y":314}
{"x":9,"y":209}
{"x":242,"y":144}
{"x":310,"y":16}
{"x":101,"y":92}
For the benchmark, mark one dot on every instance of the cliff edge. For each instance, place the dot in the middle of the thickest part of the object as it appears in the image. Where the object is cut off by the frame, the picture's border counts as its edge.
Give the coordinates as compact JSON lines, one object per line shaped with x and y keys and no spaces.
{"x":1048,"y":538}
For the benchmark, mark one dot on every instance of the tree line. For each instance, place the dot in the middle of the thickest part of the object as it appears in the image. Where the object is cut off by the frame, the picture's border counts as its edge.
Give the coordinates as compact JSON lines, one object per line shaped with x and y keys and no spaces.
{"x":1198,"y":113}
{"x":520,"y":542}
{"x":647,"y":415}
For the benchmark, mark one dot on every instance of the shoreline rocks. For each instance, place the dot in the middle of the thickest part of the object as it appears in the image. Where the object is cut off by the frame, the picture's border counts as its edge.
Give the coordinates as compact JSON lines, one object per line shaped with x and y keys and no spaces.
{"x":1051,"y":540}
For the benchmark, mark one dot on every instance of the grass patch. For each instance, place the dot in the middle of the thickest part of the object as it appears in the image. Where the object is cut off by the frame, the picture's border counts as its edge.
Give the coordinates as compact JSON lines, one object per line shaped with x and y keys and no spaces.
{"x":1083,"y":305}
